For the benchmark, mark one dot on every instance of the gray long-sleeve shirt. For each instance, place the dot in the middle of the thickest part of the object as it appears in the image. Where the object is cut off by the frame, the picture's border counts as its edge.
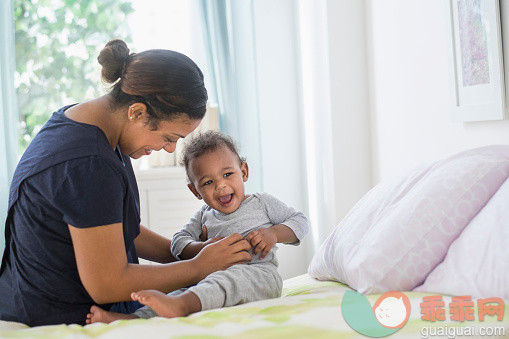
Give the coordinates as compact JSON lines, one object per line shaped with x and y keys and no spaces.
{"x":259,"y":210}
{"x":239,"y":283}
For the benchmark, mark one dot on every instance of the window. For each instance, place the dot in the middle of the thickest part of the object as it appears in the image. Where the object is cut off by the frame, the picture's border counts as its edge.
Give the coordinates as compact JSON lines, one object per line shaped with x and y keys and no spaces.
{"x":57,"y":43}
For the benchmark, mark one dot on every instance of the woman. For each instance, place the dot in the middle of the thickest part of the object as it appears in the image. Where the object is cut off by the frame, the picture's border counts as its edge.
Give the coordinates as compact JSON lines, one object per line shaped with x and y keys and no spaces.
{"x":73,"y":233}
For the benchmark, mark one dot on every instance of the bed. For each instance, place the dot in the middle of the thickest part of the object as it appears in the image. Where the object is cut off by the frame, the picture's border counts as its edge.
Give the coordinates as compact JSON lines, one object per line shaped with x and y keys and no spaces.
{"x":424,"y":256}
{"x":309,"y":308}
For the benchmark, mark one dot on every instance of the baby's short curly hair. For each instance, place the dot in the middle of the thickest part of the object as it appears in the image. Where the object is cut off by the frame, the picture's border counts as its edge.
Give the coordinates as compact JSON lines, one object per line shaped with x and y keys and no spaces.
{"x":207,"y":142}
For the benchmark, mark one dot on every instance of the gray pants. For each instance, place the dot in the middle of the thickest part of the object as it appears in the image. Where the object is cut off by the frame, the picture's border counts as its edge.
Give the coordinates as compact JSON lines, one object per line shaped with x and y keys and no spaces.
{"x":238,"y":284}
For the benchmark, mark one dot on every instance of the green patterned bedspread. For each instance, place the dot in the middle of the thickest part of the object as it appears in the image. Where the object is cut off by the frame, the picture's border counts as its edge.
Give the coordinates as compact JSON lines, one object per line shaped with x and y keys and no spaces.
{"x":308,"y":309}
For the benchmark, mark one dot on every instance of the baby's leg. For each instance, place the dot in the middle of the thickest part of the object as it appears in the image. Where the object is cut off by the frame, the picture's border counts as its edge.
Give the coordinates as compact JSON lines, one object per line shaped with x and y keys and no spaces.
{"x":237,"y":285}
{"x":169,"y":306}
{"x":98,"y":315}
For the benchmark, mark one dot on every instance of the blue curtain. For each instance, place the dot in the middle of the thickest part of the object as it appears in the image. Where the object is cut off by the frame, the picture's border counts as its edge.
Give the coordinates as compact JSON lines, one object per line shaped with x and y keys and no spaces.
{"x":228,"y":32}
{"x":8,"y":112}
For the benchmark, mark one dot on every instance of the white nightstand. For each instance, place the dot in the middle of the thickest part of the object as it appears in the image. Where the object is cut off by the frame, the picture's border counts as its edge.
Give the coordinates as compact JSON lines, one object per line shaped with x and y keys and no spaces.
{"x":165,"y":201}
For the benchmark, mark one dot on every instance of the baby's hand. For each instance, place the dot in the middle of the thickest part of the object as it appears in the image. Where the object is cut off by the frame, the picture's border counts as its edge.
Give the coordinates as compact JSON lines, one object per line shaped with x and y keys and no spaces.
{"x":262,"y":240}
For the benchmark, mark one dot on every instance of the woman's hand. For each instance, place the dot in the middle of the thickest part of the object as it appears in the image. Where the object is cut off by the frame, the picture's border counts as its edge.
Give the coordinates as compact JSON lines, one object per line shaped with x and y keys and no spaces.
{"x":262,"y":240}
{"x":222,"y":254}
{"x":193,"y":248}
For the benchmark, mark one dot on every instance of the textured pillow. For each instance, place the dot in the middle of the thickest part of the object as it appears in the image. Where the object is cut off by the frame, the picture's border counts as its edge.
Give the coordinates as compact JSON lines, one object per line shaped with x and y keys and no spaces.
{"x":399,"y":232}
{"x":477,"y":263}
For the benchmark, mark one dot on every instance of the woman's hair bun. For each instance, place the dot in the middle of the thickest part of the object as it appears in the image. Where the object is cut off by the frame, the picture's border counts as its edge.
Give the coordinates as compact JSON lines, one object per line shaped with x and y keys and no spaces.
{"x":112,"y":58}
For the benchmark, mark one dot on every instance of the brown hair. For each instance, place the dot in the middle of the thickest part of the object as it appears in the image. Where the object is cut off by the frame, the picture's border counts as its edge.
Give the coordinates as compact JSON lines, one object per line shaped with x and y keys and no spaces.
{"x":207,"y":142}
{"x":167,"y":82}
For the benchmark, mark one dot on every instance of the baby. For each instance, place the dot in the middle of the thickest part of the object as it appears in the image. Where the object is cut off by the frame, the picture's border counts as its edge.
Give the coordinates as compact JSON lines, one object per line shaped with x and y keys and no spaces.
{"x":217,"y":174}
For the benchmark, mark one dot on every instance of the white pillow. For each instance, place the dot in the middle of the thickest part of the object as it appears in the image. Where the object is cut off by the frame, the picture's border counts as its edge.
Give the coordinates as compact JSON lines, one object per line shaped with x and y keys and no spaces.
{"x":399,"y":232}
{"x":477,"y":263}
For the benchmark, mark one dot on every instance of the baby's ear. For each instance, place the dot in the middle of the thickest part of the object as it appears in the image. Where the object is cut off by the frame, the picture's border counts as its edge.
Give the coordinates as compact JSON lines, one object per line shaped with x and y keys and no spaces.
{"x":244,"y":168}
{"x":195,"y":192}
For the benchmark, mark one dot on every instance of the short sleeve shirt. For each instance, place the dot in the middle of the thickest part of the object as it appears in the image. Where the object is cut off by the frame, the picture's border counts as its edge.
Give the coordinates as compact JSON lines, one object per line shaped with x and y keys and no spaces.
{"x":85,"y":183}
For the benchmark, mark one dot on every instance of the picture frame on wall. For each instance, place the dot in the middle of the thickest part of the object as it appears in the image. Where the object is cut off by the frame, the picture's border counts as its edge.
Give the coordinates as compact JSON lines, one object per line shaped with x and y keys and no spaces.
{"x":476,"y":60}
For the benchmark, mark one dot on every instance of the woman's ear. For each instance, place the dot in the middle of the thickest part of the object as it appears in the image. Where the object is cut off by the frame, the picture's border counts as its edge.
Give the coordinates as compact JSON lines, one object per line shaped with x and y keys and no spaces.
{"x":244,"y":168}
{"x":195,"y":192}
{"x":136,"y":111}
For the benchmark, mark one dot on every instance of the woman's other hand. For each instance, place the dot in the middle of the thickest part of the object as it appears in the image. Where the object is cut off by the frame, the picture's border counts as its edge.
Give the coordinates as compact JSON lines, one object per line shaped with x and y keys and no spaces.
{"x":221,"y":254}
{"x":194,"y":247}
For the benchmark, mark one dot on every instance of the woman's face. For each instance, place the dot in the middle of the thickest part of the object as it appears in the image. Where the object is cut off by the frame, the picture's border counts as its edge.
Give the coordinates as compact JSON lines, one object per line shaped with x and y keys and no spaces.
{"x":141,"y":140}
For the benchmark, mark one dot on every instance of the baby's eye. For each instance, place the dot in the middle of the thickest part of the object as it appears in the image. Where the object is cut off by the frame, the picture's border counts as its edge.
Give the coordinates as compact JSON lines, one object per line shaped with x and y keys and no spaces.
{"x":170,"y":140}
{"x":208,"y":182}
{"x":227,"y":174}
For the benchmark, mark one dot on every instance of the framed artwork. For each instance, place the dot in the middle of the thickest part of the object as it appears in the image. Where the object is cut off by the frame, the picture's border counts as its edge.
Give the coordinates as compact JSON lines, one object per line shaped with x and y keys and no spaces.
{"x":476,"y":60}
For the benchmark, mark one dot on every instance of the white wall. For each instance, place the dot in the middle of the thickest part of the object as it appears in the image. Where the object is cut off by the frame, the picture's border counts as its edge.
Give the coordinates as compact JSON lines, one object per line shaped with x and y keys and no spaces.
{"x":411,"y":108}
{"x":390,"y":93}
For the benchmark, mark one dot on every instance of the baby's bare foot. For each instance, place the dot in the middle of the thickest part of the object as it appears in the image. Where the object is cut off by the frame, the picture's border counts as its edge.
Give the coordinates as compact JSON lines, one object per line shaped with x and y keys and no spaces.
{"x":98,"y":315}
{"x":164,"y":305}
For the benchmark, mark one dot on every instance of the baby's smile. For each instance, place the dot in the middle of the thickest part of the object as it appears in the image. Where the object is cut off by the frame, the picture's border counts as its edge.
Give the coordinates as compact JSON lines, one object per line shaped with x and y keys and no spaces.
{"x":225,"y":200}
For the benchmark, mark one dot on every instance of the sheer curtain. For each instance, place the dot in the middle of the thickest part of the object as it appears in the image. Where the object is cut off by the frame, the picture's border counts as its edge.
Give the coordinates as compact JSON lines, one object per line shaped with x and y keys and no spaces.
{"x":8,"y":113}
{"x":230,"y":29}
{"x":228,"y":32}
{"x":316,"y":97}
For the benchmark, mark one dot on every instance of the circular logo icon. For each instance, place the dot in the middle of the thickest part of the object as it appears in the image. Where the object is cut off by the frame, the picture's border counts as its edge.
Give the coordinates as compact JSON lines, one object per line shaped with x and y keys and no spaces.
{"x":389,"y":313}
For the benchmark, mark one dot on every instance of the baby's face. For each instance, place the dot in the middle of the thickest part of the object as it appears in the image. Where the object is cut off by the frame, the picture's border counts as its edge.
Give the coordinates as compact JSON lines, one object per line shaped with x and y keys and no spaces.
{"x":218,"y":178}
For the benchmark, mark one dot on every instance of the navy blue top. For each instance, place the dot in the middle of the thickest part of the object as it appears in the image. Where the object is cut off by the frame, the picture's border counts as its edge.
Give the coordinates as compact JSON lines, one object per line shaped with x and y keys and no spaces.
{"x":69,"y":174}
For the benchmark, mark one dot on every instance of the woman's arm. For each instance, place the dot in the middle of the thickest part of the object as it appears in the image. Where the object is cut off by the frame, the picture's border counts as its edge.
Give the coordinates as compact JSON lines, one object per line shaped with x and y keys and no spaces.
{"x":153,"y":246}
{"x":108,"y":277}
